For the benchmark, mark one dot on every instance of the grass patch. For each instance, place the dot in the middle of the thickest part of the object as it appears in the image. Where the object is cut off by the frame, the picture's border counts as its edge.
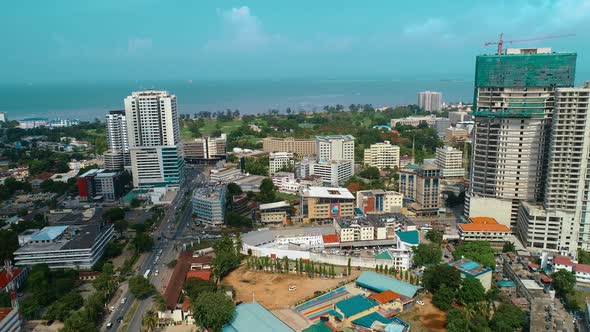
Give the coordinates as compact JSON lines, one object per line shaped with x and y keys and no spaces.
{"x":287,"y":197}
{"x":210,"y":127}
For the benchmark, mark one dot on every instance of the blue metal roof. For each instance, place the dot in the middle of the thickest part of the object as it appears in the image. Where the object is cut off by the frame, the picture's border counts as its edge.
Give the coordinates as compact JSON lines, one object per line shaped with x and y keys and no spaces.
{"x":380,"y":283}
{"x":469,"y":265}
{"x":368,"y":320}
{"x":49,"y":233}
{"x":410,"y":237}
{"x":355,"y":304}
{"x":254,"y":317}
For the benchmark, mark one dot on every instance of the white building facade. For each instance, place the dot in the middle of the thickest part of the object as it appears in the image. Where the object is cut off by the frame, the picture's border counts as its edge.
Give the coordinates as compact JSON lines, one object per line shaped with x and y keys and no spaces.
{"x":382,"y":155}
{"x":280,"y":160}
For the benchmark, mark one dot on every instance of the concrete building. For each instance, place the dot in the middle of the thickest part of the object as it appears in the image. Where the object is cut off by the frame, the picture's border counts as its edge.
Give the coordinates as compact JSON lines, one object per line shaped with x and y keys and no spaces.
{"x":420,"y":185}
{"x":10,"y":320}
{"x":30,"y":123}
{"x":513,"y":105}
{"x":326,"y":202}
{"x":415,"y":121}
{"x":580,"y":271}
{"x":561,"y":222}
{"x":300,"y":147}
{"x":280,"y":160}
{"x":471,"y":269}
{"x":430,"y":101}
{"x":303,"y":167}
{"x":205,"y":150}
{"x":98,"y":184}
{"x":3,"y":117}
{"x":382,"y":155}
{"x":154,"y":139}
{"x":61,"y":247}
{"x":379,"y":201}
{"x":450,"y":161}
{"x":441,"y":125}
{"x":225,"y":175}
{"x":456,"y":135}
{"x":275,"y":213}
{"x":335,"y":147}
{"x":209,"y":205}
{"x":117,"y":155}
{"x":484,"y":229}
{"x":458,"y":116}
{"x":333,"y":172}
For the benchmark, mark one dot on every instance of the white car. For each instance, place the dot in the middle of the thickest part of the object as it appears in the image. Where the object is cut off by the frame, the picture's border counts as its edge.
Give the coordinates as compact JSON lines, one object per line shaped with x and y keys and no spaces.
{"x":112,"y":308}
{"x":420,"y":302}
{"x":156,"y":273}
{"x":124,"y":300}
{"x":292,"y":288}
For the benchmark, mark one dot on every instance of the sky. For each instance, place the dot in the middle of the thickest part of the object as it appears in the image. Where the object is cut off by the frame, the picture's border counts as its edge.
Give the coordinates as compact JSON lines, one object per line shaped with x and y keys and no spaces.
{"x":72,"y":40}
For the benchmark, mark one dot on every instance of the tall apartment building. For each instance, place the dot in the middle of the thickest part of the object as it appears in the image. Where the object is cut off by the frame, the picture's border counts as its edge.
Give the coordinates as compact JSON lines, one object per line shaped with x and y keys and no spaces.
{"x":300,"y":147}
{"x":513,"y":105}
{"x":382,"y":155}
{"x":280,"y":160}
{"x":333,"y":172}
{"x":335,"y":147}
{"x":205,"y":149}
{"x":450,"y":161}
{"x":420,"y":185}
{"x":154,"y":139}
{"x":117,"y":155}
{"x":430,"y":101}
{"x":562,"y":221}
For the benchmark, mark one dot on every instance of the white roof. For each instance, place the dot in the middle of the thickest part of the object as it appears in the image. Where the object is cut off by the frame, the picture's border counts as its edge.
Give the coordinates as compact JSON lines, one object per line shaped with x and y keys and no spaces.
{"x":328,"y":192}
{"x":274,"y":205}
{"x":530,"y":284}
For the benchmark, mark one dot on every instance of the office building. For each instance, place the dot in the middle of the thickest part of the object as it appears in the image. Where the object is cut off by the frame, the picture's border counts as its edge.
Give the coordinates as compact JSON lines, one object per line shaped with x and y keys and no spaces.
{"x":450,"y":161}
{"x":319,"y":203}
{"x":98,"y":184}
{"x":513,"y":105}
{"x":430,"y":101}
{"x":560,"y":222}
{"x":414,"y":121}
{"x":30,"y":123}
{"x":280,"y":161}
{"x":420,"y":185}
{"x":65,"y":247}
{"x":441,"y":125}
{"x":10,"y":320}
{"x":275,"y":213}
{"x":209,"y":205}
{"x":456,"y":135}
{"x":117,"y":155}
{"x":205,"y":150}
{"x":382,"y":155}
{"x":299,"y":147}
{"x":154,"y":138}
{"x":3,"y":117}
{"x":333,"y":172}
{"x":379,"y":201}
{"x":335,"y":147}
{"x":458,"y":116}
{"x":303,"y":167}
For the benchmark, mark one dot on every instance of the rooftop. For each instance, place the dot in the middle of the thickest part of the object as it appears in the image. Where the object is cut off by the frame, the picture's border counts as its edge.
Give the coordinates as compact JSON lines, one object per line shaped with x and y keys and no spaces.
{"x":563,"y":260}
{"x":74,"y":237}
{"x":274,"y":205}
{"x":92,"y":172}
{"x":355,"y":304}
{"x":484,"y":228}
{"x":264,"y":236}
{"x":368,"y":320}
{"x":483,"y":220}
{"x":319,"y":326}
{"x":409,"y":237}
{"x":334,"y":137}
{"x":199,"y":274}
{"x":531,"y":284}
{"x":49,"y":233}
{"x":469,"y":267}
{"x":584,"y":268}
{"x":380,"y":283}
{"x":254,"y":317}
{"x":385,"y":297}
{"x":4,"y":312}
{"x":209,"y":192}
{"x":330,"y":238}
{"x":5,"y":279}
{"x":327,"y":192}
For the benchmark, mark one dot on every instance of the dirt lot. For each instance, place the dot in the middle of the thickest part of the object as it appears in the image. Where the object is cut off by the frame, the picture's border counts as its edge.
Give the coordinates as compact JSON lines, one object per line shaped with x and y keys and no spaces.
{"x":426,"y":317}
{"x":272,"y":289}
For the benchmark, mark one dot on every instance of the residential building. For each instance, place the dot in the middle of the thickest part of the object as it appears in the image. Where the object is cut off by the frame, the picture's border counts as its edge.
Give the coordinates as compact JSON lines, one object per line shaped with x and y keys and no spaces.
{"x":117,"y":155}
{"x":514,"y":101}
{"x":303,"y":167}
{"x":3,"y":117}
{"x":414,"y":121}
{"x":280,"y":160}
{"x":333,"y":172}
{"x":420,"y":185}
{"x":326,"y":202}
{"x":299,"y":147}
{"x":209,"y":205}
{"x":30,"y":123}
{"x":275,"y":213}
{"x":441,"y":125}
{"x":205,"y":149}
{"x":98,"y":184}
{"x":10,"y":320}
{"x":450,"y":161}
{"x":580,"y":271}
{"x":379,"y":201}
{"x":154,"y":139}
{"x":382,"y":155}
{"x":12,"y":279}
{"x":61,"y":247}
{"x":471,"y":269}
{"x":484,"y":229}
{"x":376,"y":227}
{"x":335,"y":147}
{"x":430,"y":101}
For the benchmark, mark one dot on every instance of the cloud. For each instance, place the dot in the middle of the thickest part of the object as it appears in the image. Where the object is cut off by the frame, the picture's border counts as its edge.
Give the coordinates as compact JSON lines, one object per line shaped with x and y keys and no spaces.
{"x":242,"y":32}
{"x":431,"y":27}
{"x":136,"y":45}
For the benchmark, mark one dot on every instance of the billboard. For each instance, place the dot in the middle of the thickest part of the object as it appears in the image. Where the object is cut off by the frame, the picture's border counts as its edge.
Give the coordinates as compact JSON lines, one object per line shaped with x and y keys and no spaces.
{"x":334,"y":210}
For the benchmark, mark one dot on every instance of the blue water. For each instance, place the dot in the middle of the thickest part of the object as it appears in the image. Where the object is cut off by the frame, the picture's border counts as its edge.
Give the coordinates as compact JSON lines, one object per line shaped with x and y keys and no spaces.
{"x":87,"y":101}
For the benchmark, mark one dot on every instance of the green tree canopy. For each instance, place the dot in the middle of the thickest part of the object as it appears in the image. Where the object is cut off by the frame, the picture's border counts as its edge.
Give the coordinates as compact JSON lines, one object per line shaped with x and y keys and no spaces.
{"x":114,"y":214}
{"x":583,"y":256}
{"x":438,"y":275}
{"x":193,"y":287}
{"x":471,"y":291}
{"x":140,"y":287}
{"x":435,"y":236}
{"x":370,"y":173}
{"x":508,"y":247}
{"x":443,"y":298}
{"x":226,"y":257}
{"x":478,"y":251}
{"x":213,"y":310}
{"x":142,"y":242}
{"x":457,"y":321}
{"x":508,"y":317}
{"x":267,"y":192}
{"x":427,"y":254}
{"x":563,"y":281}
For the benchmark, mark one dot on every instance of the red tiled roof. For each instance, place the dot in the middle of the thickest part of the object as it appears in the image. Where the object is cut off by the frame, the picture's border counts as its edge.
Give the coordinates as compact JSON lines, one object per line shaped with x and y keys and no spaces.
{"x":546,"y":279}
{"x":174,"y":288}
{"x":43,"y":176}
{"x":533,"y":266}
{"x":330,"y":238}
{"x":386,"y":296}
{"x":4,"y":312}
{"x":199,"y":274}
{"x":583,"y":268}
{"x":5,"y":280}
{"x":562,"y":260}
{"x":186,"y":305}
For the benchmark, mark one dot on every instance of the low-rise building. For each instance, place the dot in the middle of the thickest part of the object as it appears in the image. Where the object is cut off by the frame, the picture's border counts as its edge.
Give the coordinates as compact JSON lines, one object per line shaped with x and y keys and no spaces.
{"x":333,"y":172}
{"x":485,"y":229}
{"x":581,"y":271}
{"x":326,"y":203}
{"x":275,"y":213}
{"x":300,"y":147}
{"x":224,"y":175}
{"x":471,"y":269}
{"x":372,"y":227}
{"x":280,"y":160}
{"x":456,"y":134}
{"x":379,"y":201}
{"x":254,"y":317}
{"x":12,"y":279}
{"x":209,"y":205}
{"x":415,"y":121}
{"x":10,"y":320}
{"x":98,"y":184}
{"x":60,"y":247}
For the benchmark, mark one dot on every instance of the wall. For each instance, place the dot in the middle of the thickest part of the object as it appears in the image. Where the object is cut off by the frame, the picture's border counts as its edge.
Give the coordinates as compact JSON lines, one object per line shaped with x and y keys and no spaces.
{"x":491,"y":207}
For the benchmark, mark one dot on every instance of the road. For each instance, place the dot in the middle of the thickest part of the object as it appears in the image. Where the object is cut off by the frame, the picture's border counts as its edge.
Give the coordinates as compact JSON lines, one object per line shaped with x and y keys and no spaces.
{"x":164,"y":249}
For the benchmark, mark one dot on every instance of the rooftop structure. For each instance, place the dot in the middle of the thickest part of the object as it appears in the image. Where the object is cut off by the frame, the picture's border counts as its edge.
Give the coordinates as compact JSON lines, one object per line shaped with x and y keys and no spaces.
{"x":471,"y":269}
{"x":355,"y":305}
{"x":379,"y":201}
{"x":209,"y":204}
{"x":412,"y":237}
{"x":254,"y":317}
{"x":381,"y":283}
{"x":300,"y":147}
{"x":327,"y":192}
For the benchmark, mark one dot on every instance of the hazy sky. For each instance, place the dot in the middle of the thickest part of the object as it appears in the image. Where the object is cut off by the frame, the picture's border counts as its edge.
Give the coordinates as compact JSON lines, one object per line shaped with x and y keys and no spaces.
{"x":72,"y":40}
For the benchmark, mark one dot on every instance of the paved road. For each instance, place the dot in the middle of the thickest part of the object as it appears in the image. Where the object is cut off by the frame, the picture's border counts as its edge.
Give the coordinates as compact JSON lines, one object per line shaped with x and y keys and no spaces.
{"x":168,"y":231}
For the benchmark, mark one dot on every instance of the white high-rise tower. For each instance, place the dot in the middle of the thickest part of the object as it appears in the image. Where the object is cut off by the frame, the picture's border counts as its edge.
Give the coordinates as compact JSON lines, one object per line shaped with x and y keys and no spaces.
{"x":117,"y":155}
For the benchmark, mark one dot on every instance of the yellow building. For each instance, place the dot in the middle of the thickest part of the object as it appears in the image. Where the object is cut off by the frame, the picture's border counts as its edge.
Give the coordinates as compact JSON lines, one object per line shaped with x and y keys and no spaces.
{"x":326,"y":203}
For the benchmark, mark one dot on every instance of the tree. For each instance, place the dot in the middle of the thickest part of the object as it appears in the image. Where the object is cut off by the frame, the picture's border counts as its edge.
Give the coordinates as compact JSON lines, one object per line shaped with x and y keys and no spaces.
{"x":64,"y":307}
{"x":583,"y":256}
{"x":348,"y":267}
{"x":4,"y":299}
{"x":471,"y":291}
{"x":213,"y":310}
{"x":267,"y":191}
{"x":478,"y":251}
{"x":233,"y":189}
{"x":438,"y":275}
{"x":563,"y":282}
{"x":457,"y":321}
{"x":149,"y":320}
{"x":9,"y":244}
{"x":226,"y":258}
{"x":508,"y":317}
{"x":193,"y":287}
{"x":508,"y":247}
{"x":140,"y":287}
{"x":235,"y":219}
{"x":121,"y":226}
{"x":77,"y":322}
{"x":427,"y":254}
{"x":435,"y":236}
{"x":443,"y":298}
{"x":172,"y":263}
{"x":114,"y":214}
{"x":142,"y":242}
{"x":370,"y":173}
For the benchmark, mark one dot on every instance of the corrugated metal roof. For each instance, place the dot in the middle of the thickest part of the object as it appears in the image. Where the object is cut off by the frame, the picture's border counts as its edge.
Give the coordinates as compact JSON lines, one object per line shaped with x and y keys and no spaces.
{"x":381,"y":283}
{"x":410,"y":237}
{"x":49,"y":233}
{"x":355,"y":304}
{"x":254,"y":317}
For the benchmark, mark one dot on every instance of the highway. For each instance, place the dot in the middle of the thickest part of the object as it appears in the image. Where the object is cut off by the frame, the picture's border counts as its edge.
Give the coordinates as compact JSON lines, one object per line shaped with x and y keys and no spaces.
{"x":164,"y":250}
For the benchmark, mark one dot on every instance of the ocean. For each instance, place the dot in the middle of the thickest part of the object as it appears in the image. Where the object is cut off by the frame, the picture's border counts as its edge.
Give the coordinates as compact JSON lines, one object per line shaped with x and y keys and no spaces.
{"x":87,"y":101}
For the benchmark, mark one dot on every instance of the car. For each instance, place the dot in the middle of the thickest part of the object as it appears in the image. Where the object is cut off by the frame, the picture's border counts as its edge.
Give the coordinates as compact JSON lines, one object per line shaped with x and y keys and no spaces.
{"x":156,"y":273}
{"x":292,"y":288}
{"x":123,"y":300}
{"x":119,"y":319}
{"x":420,"y":302}
{"x":109,"y":325}
{"x":112,"y":308}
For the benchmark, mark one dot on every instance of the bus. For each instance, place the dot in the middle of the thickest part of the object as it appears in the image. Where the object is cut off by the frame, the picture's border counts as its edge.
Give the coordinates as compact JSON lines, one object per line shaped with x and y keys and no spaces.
{"x":147,"y":273}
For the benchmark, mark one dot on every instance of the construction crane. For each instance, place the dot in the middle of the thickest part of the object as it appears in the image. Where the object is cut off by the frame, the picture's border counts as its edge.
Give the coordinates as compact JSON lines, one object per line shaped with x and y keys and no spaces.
{"x":501,"y":41}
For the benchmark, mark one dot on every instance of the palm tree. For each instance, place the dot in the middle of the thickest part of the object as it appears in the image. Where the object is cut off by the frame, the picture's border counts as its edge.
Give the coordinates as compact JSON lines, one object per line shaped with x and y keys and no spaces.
{"x":238,"y":244}
{"x":149,"y":321}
